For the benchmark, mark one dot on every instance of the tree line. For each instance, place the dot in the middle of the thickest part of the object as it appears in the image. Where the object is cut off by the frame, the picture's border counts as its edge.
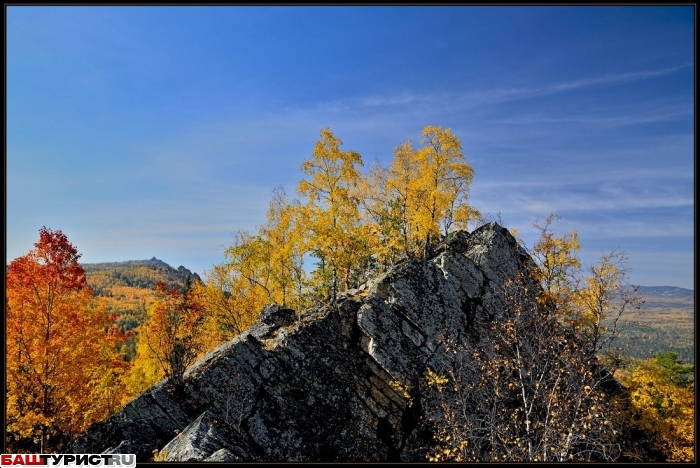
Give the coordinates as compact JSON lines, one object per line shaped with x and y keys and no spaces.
{"x":352,"y":224}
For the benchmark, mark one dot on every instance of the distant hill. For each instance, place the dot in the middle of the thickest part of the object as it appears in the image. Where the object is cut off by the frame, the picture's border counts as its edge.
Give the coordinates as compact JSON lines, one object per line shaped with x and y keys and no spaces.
{"x":666,"y":291}
{"x":142,"y":274}
{"x":128,"y":288}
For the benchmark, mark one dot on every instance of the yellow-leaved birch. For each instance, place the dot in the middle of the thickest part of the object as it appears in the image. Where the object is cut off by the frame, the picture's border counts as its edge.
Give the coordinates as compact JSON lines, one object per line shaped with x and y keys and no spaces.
{"x":331,"y":213}
{"x":283,"y":237}
{"x":423,"y":194}
{"x":442,"y":187}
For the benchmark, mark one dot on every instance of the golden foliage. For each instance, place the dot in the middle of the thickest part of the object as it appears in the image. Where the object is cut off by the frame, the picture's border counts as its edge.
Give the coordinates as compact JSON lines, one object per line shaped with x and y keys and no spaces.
{"x":231,"y":301}
{"x":421,"y":196}
{"x":333,"y":230}
{"x":662,"y":403}
{"x":557,"y":262}
{"x":594,"y":304}
{"x":259,"y":269}
{"x":172,"y":332}
{"x":354,"y":225}
{"x":144,"y":373}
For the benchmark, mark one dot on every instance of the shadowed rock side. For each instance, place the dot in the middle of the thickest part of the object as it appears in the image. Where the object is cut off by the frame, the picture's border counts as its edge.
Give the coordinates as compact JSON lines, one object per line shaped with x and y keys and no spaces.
{"x":339,"y":383}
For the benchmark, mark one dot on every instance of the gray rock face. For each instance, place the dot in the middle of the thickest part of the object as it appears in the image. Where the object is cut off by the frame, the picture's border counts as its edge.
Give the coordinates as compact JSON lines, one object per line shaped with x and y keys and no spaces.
{"x":340,"y":383}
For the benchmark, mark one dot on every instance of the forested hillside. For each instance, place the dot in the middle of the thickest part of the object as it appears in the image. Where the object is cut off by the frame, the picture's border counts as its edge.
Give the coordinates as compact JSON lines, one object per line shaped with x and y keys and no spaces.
{"x":134,"y":273}
{"x":128,"y":289}
{"x":667,"y":292}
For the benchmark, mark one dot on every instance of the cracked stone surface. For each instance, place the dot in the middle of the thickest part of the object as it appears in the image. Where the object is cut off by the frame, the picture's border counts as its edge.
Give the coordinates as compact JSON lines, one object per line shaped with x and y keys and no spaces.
{"x":338,"y":383}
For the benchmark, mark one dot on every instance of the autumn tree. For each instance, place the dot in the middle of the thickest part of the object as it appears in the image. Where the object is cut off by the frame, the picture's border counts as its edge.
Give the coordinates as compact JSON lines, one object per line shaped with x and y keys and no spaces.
{"x":540,"y":388}
{"x":283,"y":237}
{"x":527,"y":393}
{"x":271,"y":260}
{"x":62,"y":370}
{"x":443,"y":184}
{"x":592,"y":302}
{"x":172,"y":332}
{"x":145,"y":370}
{"x":662,"y":406}
{"x":259,"y":269}
{"x":232,"y":303}
{"x":248,"y":259}
{"x":423,"y":195}
{"x":557,"y":264}
{"x":389,"y":203}
{"x":334,"y":234}
{"x":601,"y":304}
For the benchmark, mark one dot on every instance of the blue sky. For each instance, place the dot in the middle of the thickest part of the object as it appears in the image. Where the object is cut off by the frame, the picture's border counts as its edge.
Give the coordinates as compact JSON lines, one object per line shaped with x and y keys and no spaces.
{"x":160,"y":131}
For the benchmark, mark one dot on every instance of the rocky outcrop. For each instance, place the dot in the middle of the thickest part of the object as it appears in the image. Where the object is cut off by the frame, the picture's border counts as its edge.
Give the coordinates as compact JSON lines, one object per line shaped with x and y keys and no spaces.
{"x":338,"y":383}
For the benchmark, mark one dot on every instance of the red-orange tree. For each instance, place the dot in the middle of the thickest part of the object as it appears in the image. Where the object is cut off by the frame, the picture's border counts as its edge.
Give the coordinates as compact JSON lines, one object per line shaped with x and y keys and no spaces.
{"x":61,"y":365}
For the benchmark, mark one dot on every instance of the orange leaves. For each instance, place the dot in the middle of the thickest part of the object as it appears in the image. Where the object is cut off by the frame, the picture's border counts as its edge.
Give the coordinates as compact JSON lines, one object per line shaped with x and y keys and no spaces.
{"x":173,"y":330}
{"x":57,"y":346}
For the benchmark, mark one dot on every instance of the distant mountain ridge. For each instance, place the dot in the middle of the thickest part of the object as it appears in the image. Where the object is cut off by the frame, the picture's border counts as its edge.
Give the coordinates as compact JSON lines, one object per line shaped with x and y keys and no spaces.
{"x":136,"y":273}
{"x":666,"y":291}
{"x":128,"y":288}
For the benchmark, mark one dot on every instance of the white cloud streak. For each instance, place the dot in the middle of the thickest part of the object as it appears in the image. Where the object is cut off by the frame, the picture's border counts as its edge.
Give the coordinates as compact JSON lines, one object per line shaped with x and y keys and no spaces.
{"x":451,"y":101}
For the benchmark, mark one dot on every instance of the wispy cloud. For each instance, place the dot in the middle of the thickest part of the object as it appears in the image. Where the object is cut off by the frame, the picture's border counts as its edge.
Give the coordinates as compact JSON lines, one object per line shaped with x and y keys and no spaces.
{"x":493,"y":95}
{"x":619,"y":78}
{"x":334,"y":106}
{"x":627,"y":229}
{"x":632,"y":117}
{"x":475,"y":110}
{"x":568,"y":202}
{"x":379,"y":101}
{"x":607,"y":197}
{"x":579,"y":181}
